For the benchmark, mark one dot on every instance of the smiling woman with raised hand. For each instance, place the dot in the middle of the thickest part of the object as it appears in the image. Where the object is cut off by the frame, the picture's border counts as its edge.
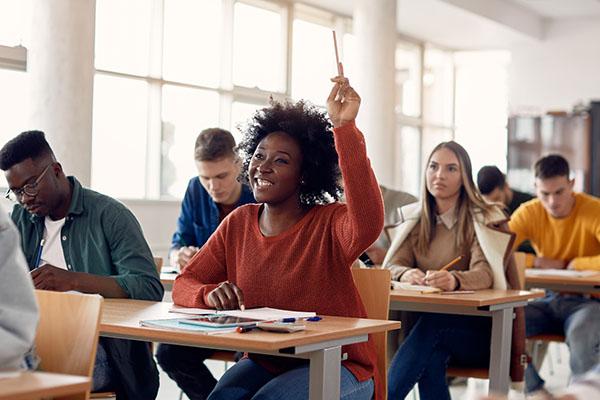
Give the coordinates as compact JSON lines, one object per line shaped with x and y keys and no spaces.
{"x":294,"y":250}
{"x":451,"y":220}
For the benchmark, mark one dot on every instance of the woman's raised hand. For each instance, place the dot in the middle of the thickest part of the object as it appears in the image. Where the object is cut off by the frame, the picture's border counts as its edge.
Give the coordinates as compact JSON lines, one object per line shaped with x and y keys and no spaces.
{"x":343,"y":101}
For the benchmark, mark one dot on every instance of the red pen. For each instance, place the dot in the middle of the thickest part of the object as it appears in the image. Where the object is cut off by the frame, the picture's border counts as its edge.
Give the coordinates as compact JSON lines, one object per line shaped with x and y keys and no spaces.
{"x":245,"y":328}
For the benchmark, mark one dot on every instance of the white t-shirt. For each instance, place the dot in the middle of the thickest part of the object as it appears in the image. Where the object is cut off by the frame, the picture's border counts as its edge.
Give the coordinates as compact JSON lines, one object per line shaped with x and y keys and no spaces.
{"x":52,"y":252}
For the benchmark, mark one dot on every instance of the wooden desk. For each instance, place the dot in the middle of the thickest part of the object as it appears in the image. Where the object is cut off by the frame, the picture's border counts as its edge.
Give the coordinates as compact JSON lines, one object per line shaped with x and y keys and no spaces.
{"x":587,"y":284}
{"x":38,"y":385}
{"x":497,"y":304}
{"x":320,"y":343}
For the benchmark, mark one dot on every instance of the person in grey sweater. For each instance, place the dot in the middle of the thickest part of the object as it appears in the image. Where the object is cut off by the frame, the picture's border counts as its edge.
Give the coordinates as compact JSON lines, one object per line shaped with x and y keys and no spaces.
{"x":18,"y":308}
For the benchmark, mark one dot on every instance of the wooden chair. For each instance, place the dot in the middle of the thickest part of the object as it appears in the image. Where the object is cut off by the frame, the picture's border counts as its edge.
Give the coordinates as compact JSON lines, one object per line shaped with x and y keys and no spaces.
{"x":158,"y":262}
{"x":67,"y":334}
{"x":374,"y":288}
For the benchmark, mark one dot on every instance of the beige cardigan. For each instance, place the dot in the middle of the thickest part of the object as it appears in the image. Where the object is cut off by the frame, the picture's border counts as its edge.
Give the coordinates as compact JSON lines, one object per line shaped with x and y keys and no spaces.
{"x":494,"y":243}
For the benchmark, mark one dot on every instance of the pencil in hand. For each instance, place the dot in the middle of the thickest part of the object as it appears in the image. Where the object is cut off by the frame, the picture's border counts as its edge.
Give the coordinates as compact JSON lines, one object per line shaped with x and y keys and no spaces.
{"x":451,"y":264}
{"x":337,"y":57}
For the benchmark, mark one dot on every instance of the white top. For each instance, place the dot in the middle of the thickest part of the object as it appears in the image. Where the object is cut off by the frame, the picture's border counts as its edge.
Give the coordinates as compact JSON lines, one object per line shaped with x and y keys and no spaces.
{"x":52,"y":252}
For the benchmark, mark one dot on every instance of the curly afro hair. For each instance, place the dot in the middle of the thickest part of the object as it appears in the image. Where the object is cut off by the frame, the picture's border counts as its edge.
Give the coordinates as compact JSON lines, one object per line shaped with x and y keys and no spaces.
{"x":312,"y":131}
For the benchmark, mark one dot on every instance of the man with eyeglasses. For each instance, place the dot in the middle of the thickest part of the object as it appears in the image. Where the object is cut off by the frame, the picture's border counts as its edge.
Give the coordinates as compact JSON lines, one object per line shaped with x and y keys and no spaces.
{"x":76,"y":239}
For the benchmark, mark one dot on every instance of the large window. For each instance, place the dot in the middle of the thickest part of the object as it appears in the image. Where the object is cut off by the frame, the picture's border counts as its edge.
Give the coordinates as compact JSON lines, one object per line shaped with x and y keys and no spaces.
{"x":14,"y":83}
{"x":166,"y":69}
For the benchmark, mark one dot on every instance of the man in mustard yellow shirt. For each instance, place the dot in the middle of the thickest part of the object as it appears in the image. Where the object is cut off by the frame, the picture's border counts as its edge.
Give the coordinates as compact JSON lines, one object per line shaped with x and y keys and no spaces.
{"x":564,"y":229}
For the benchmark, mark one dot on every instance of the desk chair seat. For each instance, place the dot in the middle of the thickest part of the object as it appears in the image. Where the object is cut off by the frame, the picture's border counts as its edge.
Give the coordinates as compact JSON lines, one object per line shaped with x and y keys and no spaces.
{"x":548,"y":337}
{"x":459,"y":372}
{"x":103,"y":395}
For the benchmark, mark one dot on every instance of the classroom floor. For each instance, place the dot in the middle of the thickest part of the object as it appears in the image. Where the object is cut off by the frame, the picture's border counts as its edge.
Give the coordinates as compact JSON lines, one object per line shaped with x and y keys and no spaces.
{"x":555,"y":371}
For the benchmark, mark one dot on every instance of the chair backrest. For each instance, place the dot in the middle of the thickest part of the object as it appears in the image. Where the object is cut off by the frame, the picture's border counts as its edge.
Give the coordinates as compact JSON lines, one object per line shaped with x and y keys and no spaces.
{"x":374,"y":287}
{"x":158,"y":262}
{"x":67,"y":334}
{"x":520,"y":263}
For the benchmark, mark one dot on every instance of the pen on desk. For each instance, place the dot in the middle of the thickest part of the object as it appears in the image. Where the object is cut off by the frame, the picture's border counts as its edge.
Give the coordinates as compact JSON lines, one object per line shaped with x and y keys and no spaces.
{"x":451,"y":264}
{"x":245,"y":328}
{"x":38,"y":258}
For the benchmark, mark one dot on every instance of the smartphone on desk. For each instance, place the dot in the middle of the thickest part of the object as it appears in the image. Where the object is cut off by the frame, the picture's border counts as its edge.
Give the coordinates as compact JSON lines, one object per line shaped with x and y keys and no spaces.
{"x":219,"y":321}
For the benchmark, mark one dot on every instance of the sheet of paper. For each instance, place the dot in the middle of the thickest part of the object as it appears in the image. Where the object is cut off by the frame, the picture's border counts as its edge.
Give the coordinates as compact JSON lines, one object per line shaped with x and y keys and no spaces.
{"x":263,"y":313}
{"x":415,"y":288}
{"x":10,"y":374}
{"x":559,"y":272}
{"x":268,"y":314}
{"x":191,"y":311}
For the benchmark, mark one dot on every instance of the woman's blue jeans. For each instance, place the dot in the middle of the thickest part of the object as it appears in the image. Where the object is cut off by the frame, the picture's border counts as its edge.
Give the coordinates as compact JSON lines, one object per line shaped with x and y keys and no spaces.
{"x":248,"y":380}
{"x":436,"y":341}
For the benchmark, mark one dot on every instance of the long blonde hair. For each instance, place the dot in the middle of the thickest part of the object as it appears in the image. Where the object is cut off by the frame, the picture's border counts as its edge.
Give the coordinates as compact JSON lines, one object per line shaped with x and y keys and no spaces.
{"x":469,"y":202}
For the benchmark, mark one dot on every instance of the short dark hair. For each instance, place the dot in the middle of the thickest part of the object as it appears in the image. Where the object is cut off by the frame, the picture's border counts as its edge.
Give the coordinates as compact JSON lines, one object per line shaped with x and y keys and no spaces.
{"x":213,"y":144}
{"x":311,"y":129}
{"x":489,"y":178}
{"x":29,"y":144}
{"x":551,"y":166}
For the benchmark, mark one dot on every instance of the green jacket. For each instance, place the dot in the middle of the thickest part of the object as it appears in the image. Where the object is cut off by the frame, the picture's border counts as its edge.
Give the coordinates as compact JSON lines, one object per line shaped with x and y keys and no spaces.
{"x":101,"y":237}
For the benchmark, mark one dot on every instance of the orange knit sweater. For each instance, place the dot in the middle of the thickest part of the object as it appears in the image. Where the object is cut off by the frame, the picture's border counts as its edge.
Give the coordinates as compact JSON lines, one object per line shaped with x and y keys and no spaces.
{"x":305,"y":268}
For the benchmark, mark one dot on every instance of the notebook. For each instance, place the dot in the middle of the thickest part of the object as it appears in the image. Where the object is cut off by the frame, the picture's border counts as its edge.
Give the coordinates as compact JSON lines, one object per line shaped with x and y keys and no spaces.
{"x":415,"y":288}
{"x":176,"y":324}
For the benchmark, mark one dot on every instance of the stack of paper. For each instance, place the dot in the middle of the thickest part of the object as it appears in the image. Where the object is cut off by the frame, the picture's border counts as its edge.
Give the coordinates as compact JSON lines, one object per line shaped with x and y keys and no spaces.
{"x":415,"y":288}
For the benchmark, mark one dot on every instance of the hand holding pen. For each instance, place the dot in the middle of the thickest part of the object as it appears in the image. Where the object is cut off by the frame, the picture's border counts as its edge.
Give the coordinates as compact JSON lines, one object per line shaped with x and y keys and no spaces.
{"x":442,"y":278}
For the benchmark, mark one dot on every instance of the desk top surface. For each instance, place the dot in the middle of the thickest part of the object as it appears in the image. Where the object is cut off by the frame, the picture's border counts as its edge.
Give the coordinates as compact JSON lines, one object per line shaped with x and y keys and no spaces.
{"x":121,"y":318}
{"x":480,"y":298}
{"x":28,"y":385}
{"x":591,"y":280}
{"x":167,"y":278}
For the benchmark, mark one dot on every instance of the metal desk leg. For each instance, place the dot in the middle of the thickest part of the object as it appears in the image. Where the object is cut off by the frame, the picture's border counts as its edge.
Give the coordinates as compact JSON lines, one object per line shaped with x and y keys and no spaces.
{"x":325,"y":371}
{"x":502,"y":321}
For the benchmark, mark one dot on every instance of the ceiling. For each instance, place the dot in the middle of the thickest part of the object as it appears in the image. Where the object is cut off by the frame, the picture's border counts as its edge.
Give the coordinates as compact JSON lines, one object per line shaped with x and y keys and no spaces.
{"x":477,"y":24}
{"x":559,"y":9}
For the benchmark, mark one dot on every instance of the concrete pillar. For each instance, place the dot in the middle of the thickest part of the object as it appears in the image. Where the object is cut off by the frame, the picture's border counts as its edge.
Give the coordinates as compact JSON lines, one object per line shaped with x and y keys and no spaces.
{"x":376,"y":35}
{"x":61,"y":72}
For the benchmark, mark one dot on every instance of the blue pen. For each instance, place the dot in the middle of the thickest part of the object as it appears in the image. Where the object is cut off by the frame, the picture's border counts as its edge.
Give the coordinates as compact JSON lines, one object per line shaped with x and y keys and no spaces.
{"x":313,"y":319}
{"x":288,"y":320}
{"x":39,"y":254}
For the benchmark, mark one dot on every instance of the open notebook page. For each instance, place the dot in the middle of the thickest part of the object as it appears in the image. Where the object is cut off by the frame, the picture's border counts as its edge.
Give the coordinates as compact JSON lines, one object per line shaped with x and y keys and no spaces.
{"x":263,"y":313}
{"x":415,"y":288}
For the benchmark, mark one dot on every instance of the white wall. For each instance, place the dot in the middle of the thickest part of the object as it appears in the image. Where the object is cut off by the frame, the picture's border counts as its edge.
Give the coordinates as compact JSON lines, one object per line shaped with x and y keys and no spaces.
{"x":158,"y":220}
{"x":559,"y":71}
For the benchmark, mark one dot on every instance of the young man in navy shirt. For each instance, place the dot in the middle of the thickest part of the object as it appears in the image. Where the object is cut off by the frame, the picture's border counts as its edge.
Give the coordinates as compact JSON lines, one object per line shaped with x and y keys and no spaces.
{"x":209,"y":198}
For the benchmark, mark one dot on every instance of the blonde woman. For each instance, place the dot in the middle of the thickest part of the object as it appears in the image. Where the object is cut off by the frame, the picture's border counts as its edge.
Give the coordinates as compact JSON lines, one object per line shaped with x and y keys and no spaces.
{"x":451,"y":220}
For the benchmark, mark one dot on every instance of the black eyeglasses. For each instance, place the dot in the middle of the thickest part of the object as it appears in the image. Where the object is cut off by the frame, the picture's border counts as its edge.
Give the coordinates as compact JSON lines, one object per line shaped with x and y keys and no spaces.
{"x":30,"y":189}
